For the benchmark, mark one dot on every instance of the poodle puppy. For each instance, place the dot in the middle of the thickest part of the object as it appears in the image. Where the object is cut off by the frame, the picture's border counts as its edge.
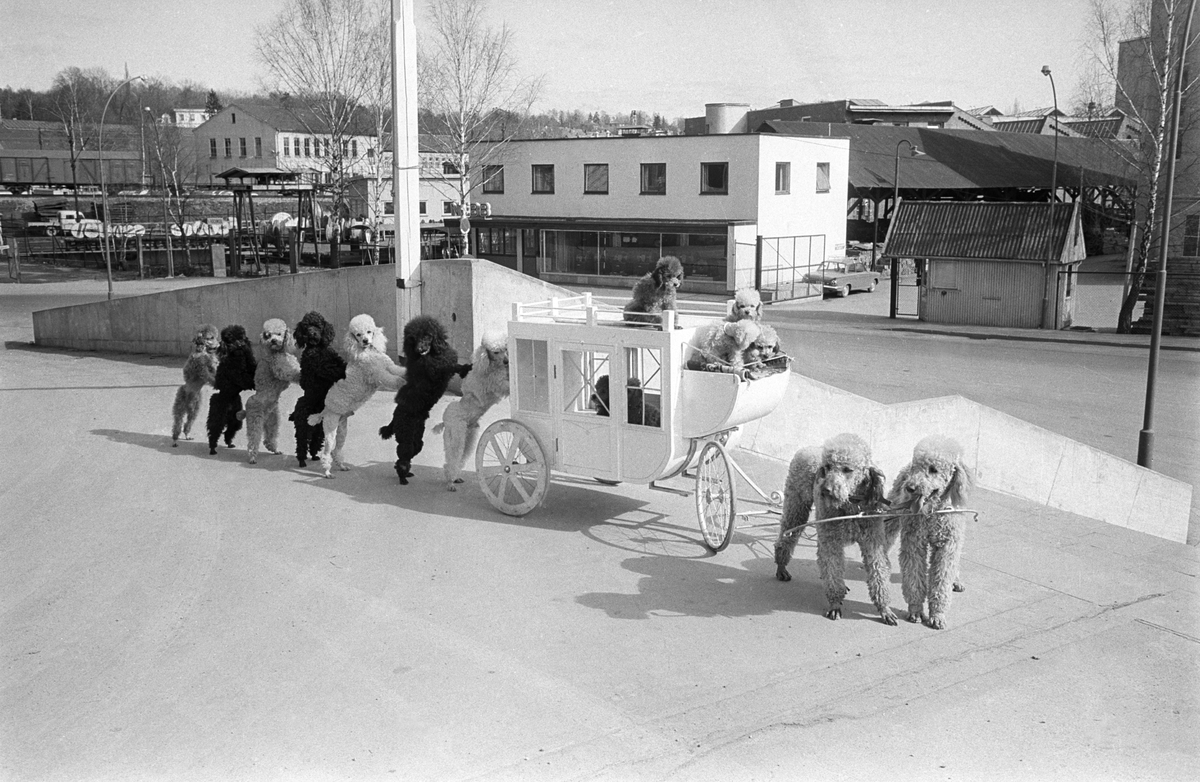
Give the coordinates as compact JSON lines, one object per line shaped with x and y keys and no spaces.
{"x":765,"y":355}
{"x":931,"y":542}
{"x":639,"y":410}
{"x":320,"y":367}
{"x":655,"y":292}
{"x":199,"y":371}
{"x":277,"y":369}
{"x":839,"y":479}
{"x":368,"y":369}
{"x":429,"y":364}
{"x":721,"y":346}
{"x":484,"y":386}
{"x":235,"y":374}
{"x":746,"y":305}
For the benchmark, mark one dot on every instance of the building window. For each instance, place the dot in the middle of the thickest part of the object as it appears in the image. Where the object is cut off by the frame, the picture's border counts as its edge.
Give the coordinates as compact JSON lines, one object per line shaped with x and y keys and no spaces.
{"x":316,"y":147}
{"x":1191,"y":235}
{"x":420,"y":208}
{"x":783,"y":178}
{"x":353,"y":147}
{"x":654,"y":178}
{"x":543,"y":179}
{"x":714,"y":179}
{"x":493,"y":179}
{"x":212,"y":147}
{"x":232,"y":118}
{"x":822,"y":177}
{"x":497,"y":241}
{"x":943,"y":275}
{"x":595,"y":178}
{"x":258,"y":146}
{"x":287,"y":146}
{"x":306,"y":148}
{"x":389,"y":207}
{"x":448,"y":207}
{"x":370,"y":151}
{"x":449,"y":168}
{"x":242,"y":147}
{"x":228,"y":147}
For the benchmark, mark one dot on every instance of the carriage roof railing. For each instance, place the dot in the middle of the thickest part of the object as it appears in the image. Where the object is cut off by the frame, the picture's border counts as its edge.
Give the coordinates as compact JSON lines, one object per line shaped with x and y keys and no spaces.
{"x":590,"y":310}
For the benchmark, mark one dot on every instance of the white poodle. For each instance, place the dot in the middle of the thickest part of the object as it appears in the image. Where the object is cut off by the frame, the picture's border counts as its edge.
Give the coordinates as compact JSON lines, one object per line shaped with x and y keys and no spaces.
{"x":931,"y":540}
{"x":277,"y":369}
{"x":198,"y":372}
{"x":486,"y":385}
{"x":746,"y":305}
{"x":368,"y":369}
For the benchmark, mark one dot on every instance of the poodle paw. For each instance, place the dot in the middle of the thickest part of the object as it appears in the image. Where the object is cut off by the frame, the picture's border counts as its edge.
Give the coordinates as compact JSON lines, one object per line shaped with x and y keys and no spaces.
{"x":937,"y":622}
{"x":301,"y":462}
{"x":781,"y":573}
{"x":451,"y":487}
{"x":229,"y":445}
{"x":915,"y":614}
{"x":403,"y":480}
{"x":327,"y":475}
{"x":342,"y":467}
{"x":174,"y":443}
{"x":834,"y":613}
{"x":187,"y":436}
{"x":212,"y":449}
{"x":888,"y":617}
{"x":275,"y":451}
{"x":253,"y":459}
{"x":960,"y":586}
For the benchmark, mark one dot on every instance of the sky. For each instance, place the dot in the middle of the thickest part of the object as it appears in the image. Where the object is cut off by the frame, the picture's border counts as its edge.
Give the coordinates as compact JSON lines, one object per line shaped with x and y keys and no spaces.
{"x":659,"y":56}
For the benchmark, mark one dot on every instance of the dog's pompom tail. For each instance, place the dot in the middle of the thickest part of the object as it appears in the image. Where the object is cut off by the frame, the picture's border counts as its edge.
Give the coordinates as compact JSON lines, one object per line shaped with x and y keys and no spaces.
{"x":386,"y":431}
{"x":316,"y":418}
{"x":437,"y":428}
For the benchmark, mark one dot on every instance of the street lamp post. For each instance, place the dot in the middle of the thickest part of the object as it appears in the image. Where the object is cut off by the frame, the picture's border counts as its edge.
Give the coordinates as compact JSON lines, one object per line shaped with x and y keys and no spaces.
{"x":913,"y":151}
{"x":1053,"y":198}
{"x":103,"y":188}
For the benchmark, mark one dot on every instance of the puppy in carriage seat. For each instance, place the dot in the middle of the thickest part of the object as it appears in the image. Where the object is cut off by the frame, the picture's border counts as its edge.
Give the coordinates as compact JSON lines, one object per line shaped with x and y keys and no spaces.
{"x":642,"y":411}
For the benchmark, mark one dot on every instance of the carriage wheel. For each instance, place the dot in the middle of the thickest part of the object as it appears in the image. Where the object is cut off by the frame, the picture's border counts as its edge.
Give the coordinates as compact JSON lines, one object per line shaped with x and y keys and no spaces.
{"x":512,"y":469}
{"x":715,"y":496}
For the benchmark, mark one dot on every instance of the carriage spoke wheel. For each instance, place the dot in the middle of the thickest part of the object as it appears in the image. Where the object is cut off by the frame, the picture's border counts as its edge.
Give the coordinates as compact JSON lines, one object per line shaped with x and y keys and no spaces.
{"x":512,"y":468}
{"x":715,"y":500}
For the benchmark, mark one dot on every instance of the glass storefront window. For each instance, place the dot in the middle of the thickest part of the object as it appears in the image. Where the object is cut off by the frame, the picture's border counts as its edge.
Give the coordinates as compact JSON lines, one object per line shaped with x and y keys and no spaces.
{"x":632,"y":254}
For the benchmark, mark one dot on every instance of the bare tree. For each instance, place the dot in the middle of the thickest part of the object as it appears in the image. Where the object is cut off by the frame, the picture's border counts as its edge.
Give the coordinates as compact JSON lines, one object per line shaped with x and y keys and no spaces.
{"x":173,"y":157}
{"x":1138,"y":46}
{"x":469,"y":81}
{"x":78,"y":98}
{"x":324,"y":55}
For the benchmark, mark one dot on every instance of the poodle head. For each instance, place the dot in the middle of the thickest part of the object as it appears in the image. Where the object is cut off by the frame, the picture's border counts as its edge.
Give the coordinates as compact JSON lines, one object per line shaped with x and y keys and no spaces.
{"x":424,"y":335}
{"x":313,"y":331}
{"x":364,"y":335}
{"x":599,"y":400}
{"x":668,"y":273}
{"x":276,"y":337}
{"x":847,"y":476}
{"x":207,"y":339}
{"x":232,"y":338}
{"x":764,"y":347}
{"x":746,"y":305}
{"x":937,"y":477}
{"x":492,"y":353}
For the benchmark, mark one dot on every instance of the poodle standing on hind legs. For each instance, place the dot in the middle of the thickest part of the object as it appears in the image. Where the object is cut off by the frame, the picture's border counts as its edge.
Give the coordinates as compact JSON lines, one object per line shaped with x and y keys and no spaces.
{"x":277,"y":369}
{"x":429,"y":363}
{"x":199,"y":371}
{"x":320,"y":368}
{"x":840,"y":479}
{"x":486,"y":385}
{"x":235,"y":374}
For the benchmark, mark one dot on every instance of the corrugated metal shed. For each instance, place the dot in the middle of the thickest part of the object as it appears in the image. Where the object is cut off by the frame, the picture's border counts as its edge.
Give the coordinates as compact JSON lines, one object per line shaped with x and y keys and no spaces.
{"x":991,"y":231}
{"x":969,"y":159}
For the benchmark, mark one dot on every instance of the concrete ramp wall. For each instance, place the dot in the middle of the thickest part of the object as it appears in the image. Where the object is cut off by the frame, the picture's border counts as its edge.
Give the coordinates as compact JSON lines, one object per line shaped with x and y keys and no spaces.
{"x":1010,"y":455}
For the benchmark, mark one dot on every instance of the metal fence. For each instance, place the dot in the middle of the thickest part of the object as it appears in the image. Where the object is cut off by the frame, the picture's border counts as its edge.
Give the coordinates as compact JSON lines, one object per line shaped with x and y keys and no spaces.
{"x":782,"y":262}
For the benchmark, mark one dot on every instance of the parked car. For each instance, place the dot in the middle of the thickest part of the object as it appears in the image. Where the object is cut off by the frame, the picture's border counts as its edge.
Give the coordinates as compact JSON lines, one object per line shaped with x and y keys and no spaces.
{"x":840,"y":277}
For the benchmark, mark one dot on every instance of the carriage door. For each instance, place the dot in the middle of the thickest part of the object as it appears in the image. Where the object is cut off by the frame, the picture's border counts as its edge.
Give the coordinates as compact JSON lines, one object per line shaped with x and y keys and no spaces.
{"x":586,"y":440}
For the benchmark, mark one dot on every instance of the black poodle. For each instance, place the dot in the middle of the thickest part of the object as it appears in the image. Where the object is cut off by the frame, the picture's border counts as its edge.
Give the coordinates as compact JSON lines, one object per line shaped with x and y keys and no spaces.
{"x":655,"y":291}
{"x":235,"y":374}
{"x":320,"y":367}
{"x":430,"y":362}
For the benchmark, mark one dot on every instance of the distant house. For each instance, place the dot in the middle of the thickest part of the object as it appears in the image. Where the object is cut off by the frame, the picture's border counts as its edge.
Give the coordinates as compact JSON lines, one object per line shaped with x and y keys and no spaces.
{"x":187,"y":118}
{"x":991,"y":264}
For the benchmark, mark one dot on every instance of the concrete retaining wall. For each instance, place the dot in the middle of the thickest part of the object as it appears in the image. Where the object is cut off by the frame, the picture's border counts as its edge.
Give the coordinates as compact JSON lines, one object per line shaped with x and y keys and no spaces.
{"x":1010,"y":455}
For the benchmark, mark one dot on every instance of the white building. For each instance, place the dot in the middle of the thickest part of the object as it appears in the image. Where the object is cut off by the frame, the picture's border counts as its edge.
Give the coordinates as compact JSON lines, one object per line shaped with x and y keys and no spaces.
{"x":734,"y":208}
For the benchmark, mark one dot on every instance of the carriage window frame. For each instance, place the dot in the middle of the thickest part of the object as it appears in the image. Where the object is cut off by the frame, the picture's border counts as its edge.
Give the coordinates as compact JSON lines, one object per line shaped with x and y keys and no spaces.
{"x":582,"y":366}
{"x":644,"y":372}
{"x":533,"y":376}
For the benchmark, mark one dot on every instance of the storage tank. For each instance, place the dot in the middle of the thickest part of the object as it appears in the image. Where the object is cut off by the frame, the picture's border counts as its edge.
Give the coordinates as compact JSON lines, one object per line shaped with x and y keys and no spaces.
{"x":722,"y":118}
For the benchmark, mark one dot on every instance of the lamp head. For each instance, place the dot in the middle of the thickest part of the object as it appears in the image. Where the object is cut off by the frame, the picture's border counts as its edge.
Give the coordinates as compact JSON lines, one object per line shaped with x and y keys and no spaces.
{"x":1045,"y":70}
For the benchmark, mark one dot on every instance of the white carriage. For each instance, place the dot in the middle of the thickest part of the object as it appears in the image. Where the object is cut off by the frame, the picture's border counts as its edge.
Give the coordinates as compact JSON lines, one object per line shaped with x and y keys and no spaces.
{"x":669,"y":419}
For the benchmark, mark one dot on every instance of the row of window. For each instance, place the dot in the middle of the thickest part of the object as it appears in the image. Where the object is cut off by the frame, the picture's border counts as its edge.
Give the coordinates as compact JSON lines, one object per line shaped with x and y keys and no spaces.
{"x":312,"y":147}
{"x":714,"y":178}
{"x":242,"y":147}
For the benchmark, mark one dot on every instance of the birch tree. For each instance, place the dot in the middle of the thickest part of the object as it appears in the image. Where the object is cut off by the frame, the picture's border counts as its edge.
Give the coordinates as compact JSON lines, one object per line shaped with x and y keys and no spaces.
{"x":77,"y":100}
{"x":1137,"y":45}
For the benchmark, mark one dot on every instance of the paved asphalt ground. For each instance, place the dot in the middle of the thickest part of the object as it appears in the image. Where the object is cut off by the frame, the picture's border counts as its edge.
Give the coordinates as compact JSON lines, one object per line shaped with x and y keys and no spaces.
{"x":169,"y":615}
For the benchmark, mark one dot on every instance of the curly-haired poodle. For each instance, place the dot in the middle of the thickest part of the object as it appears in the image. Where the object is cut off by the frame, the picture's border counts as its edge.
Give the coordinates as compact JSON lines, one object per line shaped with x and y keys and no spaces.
{"x":484,"y":386}
{"x":721,"y":346}
{"x":931,"y":541}
{"x":839,"y":479}
{"x":746,"y":305}
{"x":320,"y":367}
{"x":368,"y":369}
{"x":199,"y":371}
{"x":235,"y":374}
{"x":277,"y":369}
{"x":429,"y":363}
{"x":765,"y":355}
{"x":655,"y":292}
